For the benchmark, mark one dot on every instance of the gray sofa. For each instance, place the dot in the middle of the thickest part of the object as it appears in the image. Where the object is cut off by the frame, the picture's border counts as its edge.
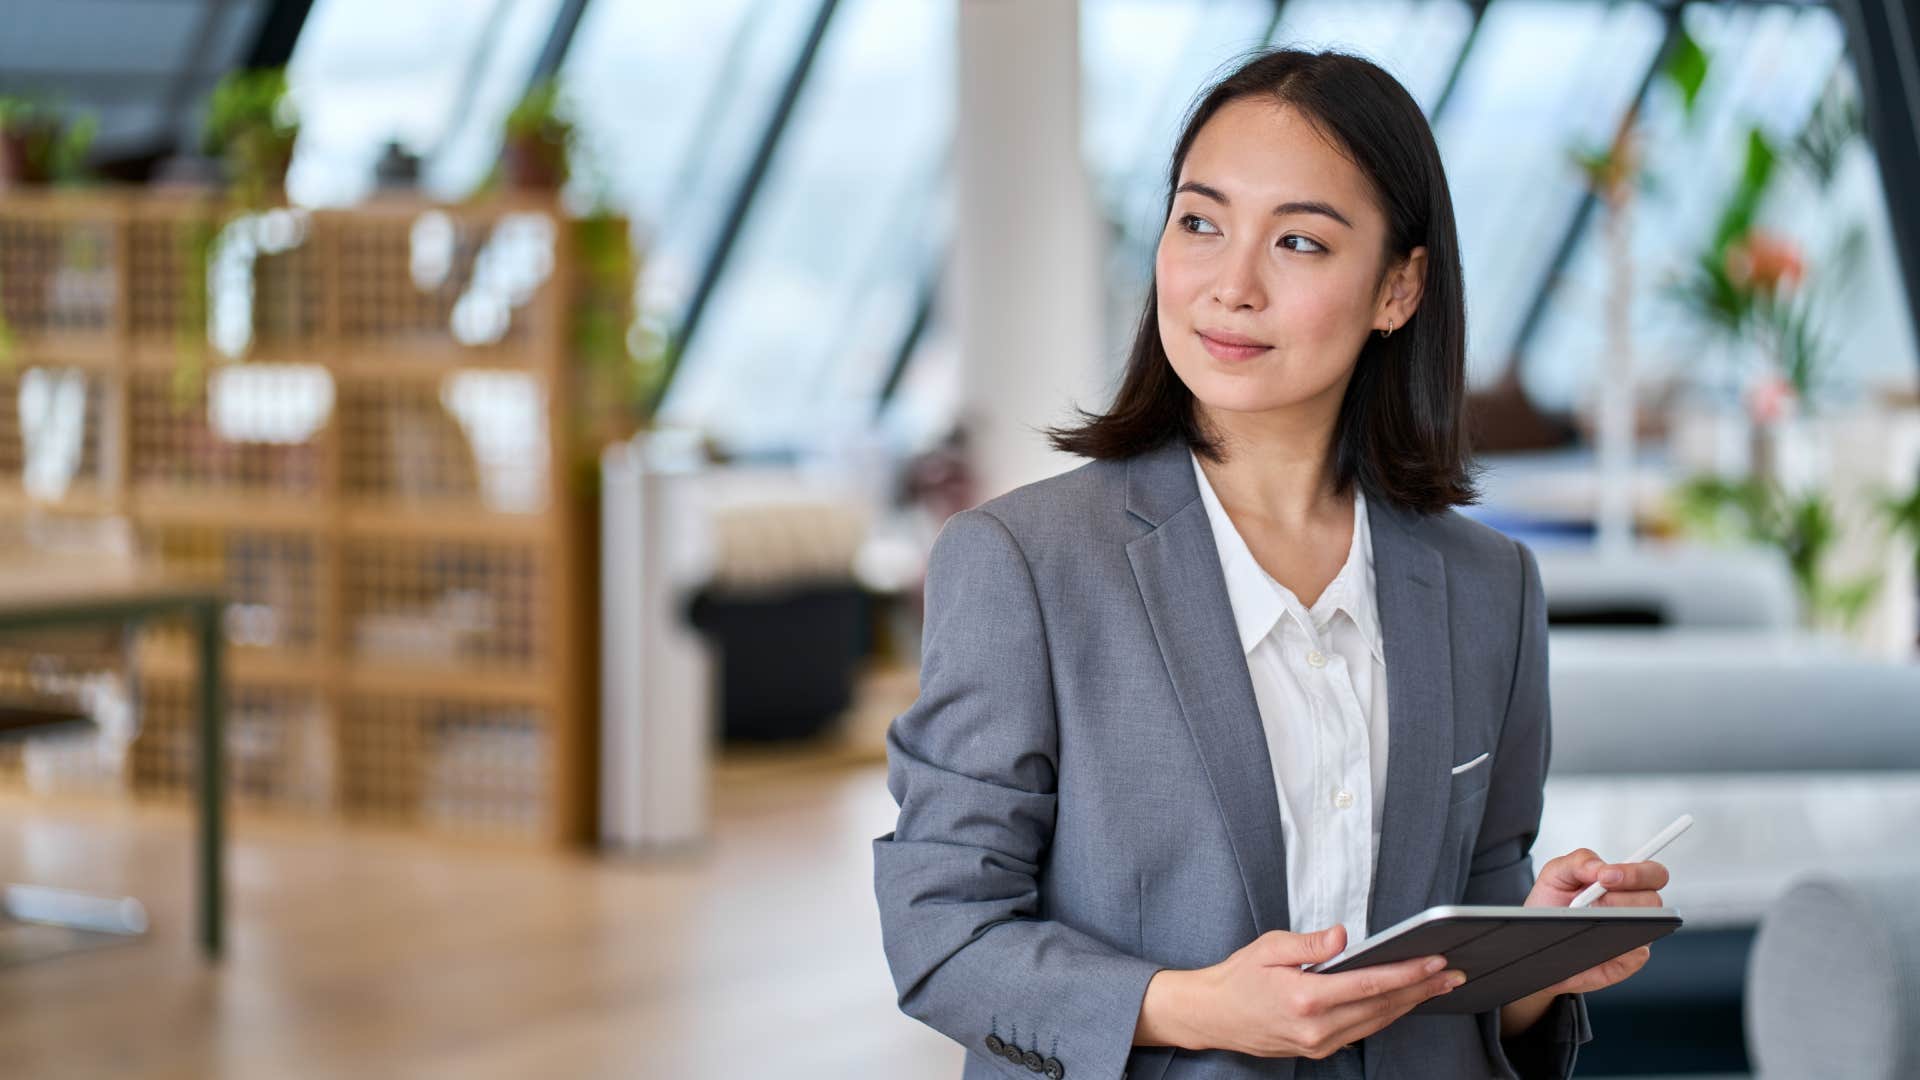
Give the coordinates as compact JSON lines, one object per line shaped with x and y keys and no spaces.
{"x":1681,"y":587}
{"x":1833,"y":987}
{"x":1796,"y":755}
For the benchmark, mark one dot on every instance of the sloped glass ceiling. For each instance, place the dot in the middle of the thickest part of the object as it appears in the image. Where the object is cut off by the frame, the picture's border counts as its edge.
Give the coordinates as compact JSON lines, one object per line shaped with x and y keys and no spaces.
{"x":800,"y":332}
{"x":141,"y":67}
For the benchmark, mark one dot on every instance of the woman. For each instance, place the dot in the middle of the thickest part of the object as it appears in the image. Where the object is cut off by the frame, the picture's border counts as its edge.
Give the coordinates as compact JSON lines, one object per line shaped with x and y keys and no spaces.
{"x":1243,"y":688}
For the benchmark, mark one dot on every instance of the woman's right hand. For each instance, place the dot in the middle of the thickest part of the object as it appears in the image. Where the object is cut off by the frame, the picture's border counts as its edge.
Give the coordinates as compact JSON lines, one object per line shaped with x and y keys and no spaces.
{"x":1259,"y":1002}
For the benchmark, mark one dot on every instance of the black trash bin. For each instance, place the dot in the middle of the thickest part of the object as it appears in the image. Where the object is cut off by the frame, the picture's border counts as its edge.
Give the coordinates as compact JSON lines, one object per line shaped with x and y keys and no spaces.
{"x":788,"y":656}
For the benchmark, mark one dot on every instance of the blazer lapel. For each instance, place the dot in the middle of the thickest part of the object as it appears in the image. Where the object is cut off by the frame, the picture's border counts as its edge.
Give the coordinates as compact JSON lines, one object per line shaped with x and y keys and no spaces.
{"x":1410,"y":585}
{"x":1178,"y":571}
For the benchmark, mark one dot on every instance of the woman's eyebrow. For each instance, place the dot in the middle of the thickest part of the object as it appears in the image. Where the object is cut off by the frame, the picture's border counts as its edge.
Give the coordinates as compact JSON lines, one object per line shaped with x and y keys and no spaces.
{"x":1298,"y":206}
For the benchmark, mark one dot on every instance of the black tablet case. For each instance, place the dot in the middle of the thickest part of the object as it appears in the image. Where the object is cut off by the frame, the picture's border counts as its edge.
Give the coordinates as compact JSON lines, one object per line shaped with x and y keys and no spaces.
{"x":1507,"y":957}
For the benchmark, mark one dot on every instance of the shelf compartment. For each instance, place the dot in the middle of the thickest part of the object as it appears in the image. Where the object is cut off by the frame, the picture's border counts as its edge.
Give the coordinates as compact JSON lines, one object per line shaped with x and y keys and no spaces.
{"x":442,"y":604}
{"x":447,"y":763}
{"x":252,"y":429}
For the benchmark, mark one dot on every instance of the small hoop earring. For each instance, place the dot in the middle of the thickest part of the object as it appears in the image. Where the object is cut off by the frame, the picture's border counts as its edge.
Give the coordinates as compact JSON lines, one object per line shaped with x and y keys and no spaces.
{"x":1388,"y":332}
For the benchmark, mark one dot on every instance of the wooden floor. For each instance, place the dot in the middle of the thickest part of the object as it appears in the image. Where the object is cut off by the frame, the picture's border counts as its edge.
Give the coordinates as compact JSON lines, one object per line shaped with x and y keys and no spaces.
{"x":362,"y":954}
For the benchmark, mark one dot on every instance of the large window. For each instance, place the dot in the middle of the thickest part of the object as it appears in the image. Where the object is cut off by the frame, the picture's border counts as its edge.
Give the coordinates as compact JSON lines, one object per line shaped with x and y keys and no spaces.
{"x":1142,"y":64}
{"x":672,"y":100}
{"x":801,"y":331}
{"x":839,"y":251}
{"x":1417,"y":40}
{"x":436,"y":76}
{"x":1542,"y":76}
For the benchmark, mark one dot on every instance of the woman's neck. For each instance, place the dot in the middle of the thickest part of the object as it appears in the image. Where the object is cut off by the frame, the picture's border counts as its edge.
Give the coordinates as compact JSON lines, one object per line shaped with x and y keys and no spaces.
{"x":1278,"y":467}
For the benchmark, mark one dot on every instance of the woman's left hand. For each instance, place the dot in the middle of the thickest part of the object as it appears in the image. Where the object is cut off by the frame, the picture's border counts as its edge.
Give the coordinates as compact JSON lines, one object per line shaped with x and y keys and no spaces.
{"x":1628,"y":885}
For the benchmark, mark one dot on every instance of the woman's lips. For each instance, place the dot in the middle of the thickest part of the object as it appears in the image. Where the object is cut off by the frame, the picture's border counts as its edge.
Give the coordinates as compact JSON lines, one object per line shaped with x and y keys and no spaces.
{"x":1223,"y":350}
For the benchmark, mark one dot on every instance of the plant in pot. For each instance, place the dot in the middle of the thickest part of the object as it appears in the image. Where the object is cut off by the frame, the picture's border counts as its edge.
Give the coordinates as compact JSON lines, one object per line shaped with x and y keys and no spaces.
{"x":1757,"y":293}
{"x":251,"y":126}
{"x":41,"y":144}
{"x":618,"y":360}
{"x":1802,"y":525}
{"x":1765,"y":302}
{"x":539,"y":137}
{"x":196,"y":235}
{"x":1745,"y":287}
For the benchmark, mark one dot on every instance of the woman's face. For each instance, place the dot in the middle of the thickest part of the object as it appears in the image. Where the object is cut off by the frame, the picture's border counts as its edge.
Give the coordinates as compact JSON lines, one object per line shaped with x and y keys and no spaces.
{"x":1269,"y":266}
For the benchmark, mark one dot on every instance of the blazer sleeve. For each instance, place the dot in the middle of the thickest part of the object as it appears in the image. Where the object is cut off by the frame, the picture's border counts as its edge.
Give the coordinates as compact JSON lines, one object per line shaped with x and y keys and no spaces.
{"x":973,"y":765}
{"x":1502,"y":869}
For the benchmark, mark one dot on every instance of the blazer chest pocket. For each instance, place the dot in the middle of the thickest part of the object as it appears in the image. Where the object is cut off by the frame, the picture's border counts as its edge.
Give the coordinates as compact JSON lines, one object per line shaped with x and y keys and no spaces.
{"x":1470,"y":778}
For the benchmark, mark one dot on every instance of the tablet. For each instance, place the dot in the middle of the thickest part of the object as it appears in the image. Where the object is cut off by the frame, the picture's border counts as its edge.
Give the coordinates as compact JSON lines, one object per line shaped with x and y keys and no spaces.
{"x":1507,"y":952}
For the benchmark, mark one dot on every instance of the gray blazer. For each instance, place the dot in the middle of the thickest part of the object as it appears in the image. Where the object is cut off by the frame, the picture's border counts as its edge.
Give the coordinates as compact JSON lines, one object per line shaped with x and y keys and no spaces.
{"x":1085,"y":793}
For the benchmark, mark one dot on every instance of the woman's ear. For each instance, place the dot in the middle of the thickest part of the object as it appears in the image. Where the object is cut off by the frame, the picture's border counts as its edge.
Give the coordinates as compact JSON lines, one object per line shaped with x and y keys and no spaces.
{"x":1405,"y":284}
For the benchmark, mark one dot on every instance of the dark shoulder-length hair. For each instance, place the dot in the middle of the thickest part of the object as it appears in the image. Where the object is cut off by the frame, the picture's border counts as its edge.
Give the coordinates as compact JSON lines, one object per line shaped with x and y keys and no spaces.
{"x":1401,"y":432}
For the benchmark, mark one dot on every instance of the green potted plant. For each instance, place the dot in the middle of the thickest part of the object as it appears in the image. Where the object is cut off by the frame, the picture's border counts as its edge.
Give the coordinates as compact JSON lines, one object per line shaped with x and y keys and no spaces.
{"x":617,"y":359}
{"x":539,"y":137}
{"x":251,"y":125}
{"x":196,"y":236}
{"x":41,"y":144}
{"x":1763,"y":300}
{"x":1802,"y":526}
{"x":1756,"y":286}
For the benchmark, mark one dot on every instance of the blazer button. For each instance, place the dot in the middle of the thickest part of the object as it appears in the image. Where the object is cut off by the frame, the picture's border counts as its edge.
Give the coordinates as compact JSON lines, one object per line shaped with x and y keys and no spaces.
{"x":1032,"y":1060}
{"x":1055,"y":1070}
{"x":994,"y":1044}
{"x":1011,"y":1053}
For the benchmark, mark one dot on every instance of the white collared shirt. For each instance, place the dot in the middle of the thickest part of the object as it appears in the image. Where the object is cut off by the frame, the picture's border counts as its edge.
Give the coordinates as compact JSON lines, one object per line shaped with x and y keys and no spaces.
{"x":1320,"y":681}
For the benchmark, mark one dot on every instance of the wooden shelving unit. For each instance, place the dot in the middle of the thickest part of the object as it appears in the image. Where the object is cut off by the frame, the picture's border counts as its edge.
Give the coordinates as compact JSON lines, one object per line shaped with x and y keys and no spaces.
{"x":393,"y":509}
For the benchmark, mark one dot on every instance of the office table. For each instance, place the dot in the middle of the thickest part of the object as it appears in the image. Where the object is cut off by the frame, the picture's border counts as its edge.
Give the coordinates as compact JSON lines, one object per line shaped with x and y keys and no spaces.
{"x":1754,"y":833}
{"x":37,"y":594}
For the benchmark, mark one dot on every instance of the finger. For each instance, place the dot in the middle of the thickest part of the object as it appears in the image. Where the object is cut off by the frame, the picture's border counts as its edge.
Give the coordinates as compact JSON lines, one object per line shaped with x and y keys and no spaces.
{"x":1607,"y":973}
{"x":1628,"y":877}
{"x":1358,"y":1019}
{"x":1370,"y":982}
{"x":1623,"y":966}
{"x":1281,"y":947}
{"x":1574,"y":870}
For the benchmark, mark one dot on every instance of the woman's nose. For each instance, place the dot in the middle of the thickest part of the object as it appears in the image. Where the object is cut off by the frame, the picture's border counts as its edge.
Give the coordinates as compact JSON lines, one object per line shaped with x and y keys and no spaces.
{"x":1238,"y":283}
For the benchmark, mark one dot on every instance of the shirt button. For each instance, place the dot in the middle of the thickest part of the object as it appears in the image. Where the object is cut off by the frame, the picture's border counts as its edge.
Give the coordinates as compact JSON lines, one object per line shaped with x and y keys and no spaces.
{"x":1317,"y":658}
{"x":1343,"y":800}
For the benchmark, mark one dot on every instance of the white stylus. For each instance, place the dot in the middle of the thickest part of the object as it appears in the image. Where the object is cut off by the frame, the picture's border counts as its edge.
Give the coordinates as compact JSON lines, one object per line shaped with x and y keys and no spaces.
{"x":1647,"y":851}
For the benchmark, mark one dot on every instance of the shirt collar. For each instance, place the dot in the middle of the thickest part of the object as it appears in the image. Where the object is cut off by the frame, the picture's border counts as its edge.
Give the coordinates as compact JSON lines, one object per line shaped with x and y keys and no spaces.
{"x":1257,"y":599}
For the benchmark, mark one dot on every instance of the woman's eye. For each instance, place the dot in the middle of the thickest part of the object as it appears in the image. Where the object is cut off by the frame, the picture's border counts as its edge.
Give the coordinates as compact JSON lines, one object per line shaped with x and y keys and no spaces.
{"x":1194,"y":223}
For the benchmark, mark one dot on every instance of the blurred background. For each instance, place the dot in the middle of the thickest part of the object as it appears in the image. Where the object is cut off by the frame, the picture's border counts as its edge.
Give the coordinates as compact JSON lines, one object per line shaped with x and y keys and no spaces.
{"x":467,"y":469}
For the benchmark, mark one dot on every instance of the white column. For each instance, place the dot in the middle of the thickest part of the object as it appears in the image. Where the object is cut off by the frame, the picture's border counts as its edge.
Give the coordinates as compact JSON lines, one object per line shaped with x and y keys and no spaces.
{"x":1026,"y":290}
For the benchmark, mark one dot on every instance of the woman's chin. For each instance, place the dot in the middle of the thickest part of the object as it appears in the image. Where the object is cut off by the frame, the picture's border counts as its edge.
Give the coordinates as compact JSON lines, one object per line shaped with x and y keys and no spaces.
{"x":1242,"y":396}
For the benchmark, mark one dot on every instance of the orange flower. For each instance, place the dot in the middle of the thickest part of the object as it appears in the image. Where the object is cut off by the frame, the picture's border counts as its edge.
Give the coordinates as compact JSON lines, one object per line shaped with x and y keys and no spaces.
{"x":1765,"y":261}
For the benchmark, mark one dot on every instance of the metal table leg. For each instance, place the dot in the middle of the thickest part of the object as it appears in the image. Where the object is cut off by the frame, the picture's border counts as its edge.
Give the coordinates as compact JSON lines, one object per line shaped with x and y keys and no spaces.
{"x":211,"y":784}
